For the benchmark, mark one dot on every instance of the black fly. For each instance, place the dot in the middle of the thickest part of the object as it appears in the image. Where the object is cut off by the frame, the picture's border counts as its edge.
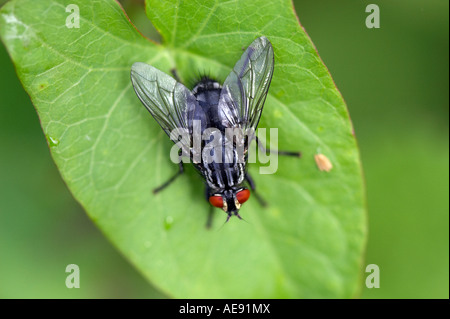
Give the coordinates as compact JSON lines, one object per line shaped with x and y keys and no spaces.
{"x":237,"y":105}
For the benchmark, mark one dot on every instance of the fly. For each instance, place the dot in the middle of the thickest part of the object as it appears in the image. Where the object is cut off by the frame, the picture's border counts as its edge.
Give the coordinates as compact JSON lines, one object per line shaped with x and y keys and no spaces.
{"x":237,"y":104}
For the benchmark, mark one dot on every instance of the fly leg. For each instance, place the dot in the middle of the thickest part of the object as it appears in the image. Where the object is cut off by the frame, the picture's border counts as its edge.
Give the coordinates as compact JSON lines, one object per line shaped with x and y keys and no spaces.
{"x":210,"y":217}
{"x":175,"y":75}
{"x":211,"y":209}
{"x":286,"y":153}
{"x":174,"y":177}
{"x":251,"y":183}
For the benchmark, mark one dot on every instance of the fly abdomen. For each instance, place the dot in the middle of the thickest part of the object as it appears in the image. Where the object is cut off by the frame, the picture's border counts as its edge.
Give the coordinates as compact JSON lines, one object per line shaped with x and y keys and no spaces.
{"x":222,"y":172}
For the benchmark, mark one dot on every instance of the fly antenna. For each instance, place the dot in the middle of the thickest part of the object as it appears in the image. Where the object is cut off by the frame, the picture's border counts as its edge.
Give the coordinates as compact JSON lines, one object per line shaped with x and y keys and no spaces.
{"x":240,"y":217}
{"x":228,"y":218}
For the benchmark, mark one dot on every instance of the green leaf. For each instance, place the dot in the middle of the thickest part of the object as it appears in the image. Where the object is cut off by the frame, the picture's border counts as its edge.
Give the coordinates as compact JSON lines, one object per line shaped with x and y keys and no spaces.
{"x":307,"y":243}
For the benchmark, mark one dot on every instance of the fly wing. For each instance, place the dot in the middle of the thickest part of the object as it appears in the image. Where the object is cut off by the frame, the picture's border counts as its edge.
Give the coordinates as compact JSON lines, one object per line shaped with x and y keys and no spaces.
{"x":245,"y":89}
{"x":171,"y":104}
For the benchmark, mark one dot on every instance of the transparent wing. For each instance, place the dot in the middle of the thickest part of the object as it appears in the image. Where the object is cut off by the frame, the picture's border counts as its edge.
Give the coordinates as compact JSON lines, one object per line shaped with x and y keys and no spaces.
{"x":172,"y":105}
{"x":245,"y":89}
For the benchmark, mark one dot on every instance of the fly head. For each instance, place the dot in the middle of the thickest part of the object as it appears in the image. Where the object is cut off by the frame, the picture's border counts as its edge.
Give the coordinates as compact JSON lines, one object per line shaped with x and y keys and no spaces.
{"x":230,"y":200}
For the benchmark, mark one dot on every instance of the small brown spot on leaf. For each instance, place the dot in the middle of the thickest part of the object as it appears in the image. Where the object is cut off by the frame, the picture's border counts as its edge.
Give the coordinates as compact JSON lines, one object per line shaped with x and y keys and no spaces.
{"x":323,"y":163}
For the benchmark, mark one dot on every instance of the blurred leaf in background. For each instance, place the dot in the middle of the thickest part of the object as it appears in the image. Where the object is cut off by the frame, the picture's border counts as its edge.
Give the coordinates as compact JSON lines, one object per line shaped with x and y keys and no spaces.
{"x":395,"y":82}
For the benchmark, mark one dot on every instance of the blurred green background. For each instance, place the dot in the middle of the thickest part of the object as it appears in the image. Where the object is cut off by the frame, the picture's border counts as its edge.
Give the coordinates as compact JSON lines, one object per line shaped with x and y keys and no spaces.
{"x":395,"y":82}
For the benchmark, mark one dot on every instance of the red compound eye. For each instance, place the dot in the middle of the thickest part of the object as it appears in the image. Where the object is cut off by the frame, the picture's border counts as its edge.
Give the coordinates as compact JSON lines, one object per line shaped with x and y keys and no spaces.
{"x":243,"y":196}
{"x":216,"y":201}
